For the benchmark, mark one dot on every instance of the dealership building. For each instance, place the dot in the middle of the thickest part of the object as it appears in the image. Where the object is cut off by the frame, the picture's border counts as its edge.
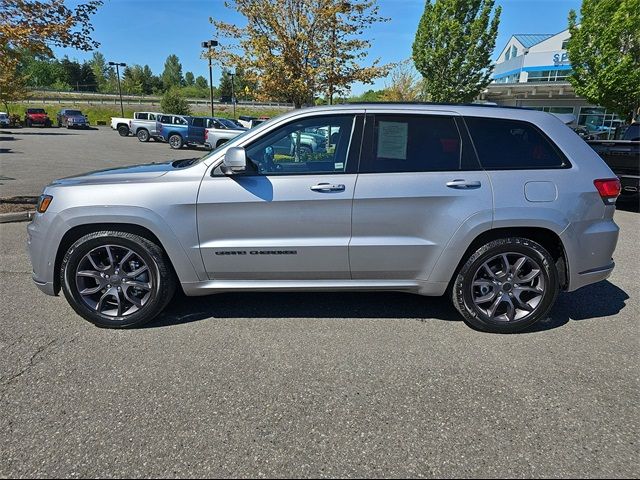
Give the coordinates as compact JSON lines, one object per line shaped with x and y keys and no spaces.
{"x":531,"y":71}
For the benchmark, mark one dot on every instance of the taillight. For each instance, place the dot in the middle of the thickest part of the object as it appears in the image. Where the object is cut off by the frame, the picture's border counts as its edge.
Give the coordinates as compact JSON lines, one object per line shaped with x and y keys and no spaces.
{"x":206,"y":134}
{"x":129,"y":123}
{"x":609,"y":189}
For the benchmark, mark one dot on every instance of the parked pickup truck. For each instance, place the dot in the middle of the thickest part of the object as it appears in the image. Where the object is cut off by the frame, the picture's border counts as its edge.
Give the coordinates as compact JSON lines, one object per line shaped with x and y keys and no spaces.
{"x":219,"y":131}
{"x":623,"y":157}
{"x":180,"y":130}
{"x":71,"y":118}
{"x":122,"y":124}
{"x":146,"y":126}
{"x":36,"y":116}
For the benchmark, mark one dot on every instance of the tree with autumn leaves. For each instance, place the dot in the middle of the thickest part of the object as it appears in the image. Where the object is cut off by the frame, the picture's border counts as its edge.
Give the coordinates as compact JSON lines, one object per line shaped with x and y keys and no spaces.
{"x":298,"y":49}
{"x":30,"y":27}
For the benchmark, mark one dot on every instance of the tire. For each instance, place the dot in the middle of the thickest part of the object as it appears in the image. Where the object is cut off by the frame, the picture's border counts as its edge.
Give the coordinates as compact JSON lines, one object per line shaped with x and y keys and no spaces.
{"x":175,"y":141}
{"x":28,"y":122}
{"x":143,"y":135}
{"x":221,"y":142}
{"x":123,"y":130}
{"x":121,"y":299}
{"x":498,"y":299}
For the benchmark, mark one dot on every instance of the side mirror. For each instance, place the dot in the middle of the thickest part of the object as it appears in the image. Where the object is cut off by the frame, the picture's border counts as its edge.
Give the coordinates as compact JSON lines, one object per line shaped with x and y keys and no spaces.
{"x":235,"y":161}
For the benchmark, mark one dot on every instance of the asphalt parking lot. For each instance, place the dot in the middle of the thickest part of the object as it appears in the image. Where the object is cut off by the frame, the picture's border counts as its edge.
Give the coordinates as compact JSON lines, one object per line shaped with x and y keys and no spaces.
{"x":311,"y":385}
{"x":30,"y":158}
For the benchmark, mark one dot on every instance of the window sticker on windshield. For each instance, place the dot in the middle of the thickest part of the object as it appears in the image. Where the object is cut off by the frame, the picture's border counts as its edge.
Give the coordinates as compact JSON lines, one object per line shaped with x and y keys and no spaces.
{"x":392,"y":140}
{"x":339,"y":166}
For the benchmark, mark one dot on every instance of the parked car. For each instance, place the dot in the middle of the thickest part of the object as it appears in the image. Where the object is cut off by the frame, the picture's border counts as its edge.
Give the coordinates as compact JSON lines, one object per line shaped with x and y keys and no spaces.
{"x":122,"y":125}
{"x":623,"y":157}
{"x":250,"y":122}
{"x":146,"y":126}
{"x":5,"y":121}
{"x":219,"y":131}
{"x":181,"y":130}
{"x":71,"y":118}
{"x":36,"y":116}
{"x":500,"y":208}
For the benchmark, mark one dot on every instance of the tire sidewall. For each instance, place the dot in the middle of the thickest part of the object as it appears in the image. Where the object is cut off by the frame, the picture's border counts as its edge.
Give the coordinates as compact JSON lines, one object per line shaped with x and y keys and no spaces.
{"x":463,"y":286}
{"x":177,"y":144}
{"x":68,"y":281}
{"x":143,"y":135}
{"x":123,"y":131}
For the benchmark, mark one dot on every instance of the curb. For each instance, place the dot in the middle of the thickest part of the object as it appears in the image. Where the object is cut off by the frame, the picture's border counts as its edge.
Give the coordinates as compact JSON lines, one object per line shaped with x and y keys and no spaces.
{"x":16,"y":217}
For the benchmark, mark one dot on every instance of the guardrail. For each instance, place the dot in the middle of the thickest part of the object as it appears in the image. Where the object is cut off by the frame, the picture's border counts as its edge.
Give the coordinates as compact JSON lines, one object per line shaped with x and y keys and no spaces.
{"x":91,"y":98}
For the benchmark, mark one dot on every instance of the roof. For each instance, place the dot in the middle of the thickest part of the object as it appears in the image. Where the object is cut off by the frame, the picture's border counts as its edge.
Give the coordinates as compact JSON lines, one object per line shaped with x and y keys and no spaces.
{"x":530,"y":39}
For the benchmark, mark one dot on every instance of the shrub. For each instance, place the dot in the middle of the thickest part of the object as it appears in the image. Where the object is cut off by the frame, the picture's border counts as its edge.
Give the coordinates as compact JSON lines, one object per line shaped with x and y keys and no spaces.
{"x":174,"y":103}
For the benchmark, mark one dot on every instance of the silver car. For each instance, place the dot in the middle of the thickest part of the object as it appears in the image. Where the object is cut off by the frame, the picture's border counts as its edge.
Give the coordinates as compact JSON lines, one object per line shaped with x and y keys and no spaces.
{"x":498,"y":208}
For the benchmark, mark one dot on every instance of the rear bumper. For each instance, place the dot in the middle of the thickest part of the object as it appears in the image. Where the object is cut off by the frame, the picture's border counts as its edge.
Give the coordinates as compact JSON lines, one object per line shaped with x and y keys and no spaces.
{"x":589,"y":247}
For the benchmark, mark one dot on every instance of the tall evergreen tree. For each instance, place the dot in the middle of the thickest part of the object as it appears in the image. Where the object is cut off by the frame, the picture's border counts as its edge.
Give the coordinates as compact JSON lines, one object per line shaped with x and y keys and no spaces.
{"x":604,"y":50}
{"x":99,"y":67}
{"x":201,"y":82}
{"x":453,"y":46}
{"x":172,"y":74}
{"x":189,"y":79}
{"x":88,"y":79}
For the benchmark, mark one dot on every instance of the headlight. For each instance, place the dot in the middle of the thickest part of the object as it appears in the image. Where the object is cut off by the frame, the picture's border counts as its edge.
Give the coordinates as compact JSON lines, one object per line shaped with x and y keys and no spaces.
{"x":43,"y":203}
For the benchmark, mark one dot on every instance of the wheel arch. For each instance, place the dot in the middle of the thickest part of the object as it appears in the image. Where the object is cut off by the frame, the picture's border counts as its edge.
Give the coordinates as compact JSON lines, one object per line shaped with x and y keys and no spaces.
{"x":78,"y":231}
{"x":547,"y":237}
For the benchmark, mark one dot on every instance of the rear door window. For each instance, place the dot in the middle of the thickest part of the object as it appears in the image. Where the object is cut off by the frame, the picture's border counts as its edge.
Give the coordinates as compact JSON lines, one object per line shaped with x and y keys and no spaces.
{"x":411,"y":143}
{"x":513,"y":145}
{"x":198,"y":122}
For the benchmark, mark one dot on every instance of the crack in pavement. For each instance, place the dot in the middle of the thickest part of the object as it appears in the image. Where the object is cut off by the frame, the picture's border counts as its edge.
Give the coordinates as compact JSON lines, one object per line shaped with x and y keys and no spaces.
{"x":33,"y":360}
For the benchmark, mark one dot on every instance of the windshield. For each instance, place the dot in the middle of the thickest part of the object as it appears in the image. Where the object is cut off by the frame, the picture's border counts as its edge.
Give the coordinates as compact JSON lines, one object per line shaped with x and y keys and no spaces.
{"x":227,"y":123}
{"x":35,"y":110}
{"x":74,"y":112}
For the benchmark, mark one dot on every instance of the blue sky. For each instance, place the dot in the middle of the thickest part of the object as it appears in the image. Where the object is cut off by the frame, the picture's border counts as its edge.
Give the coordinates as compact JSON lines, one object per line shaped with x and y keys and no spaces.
{"x":147,"y":31}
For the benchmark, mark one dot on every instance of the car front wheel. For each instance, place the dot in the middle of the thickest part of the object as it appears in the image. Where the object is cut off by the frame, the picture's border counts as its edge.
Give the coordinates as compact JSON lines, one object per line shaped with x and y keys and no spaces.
{"x":506,"y":286}
{"x":116,"y":279}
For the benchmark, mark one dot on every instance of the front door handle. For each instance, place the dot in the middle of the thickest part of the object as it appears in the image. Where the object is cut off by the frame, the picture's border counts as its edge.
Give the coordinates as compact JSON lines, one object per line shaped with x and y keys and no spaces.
{"x":462,"y":184}
{"x":328,"y":187}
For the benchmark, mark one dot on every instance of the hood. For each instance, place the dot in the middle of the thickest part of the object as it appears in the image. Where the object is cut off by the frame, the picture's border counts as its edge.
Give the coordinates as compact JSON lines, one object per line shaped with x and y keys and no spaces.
{"x":37,"y":114}
{"x":132,"y":174}
{"x":75,"y":117}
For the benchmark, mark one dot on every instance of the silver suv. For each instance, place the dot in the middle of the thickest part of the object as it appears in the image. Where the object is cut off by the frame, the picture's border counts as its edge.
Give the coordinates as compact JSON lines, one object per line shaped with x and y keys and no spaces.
{"x":499,"y":208}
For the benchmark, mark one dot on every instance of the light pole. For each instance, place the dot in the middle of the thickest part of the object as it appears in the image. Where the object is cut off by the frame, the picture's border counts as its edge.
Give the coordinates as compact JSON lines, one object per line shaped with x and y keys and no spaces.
{"x":233,"y":93}
{"x":119,"y":89}
{"x":209,"y":44}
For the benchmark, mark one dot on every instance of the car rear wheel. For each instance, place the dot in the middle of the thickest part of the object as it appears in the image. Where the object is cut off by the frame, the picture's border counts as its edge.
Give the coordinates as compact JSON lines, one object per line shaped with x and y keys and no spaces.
{"x":143,"y":135}
{"x":116,"y":279}
{"x":123,"y":130}
{"x":506,"y":286}
{"x":175,"y":141}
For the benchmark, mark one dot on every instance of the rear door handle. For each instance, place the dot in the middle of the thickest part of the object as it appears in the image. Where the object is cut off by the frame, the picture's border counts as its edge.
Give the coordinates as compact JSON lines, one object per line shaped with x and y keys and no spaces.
{"x":462,"y":184}
{"x":328,"y":187}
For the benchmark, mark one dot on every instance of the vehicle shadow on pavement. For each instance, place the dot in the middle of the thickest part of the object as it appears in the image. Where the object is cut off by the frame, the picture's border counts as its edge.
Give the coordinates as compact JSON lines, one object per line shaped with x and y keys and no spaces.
{"x":594,"y":301}
{"x":319,"y":305}
{"x":601,"y":299}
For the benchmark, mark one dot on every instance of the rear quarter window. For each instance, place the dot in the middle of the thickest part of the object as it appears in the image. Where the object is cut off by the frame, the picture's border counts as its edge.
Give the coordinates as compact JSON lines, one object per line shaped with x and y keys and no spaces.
{"x":504,"y":144}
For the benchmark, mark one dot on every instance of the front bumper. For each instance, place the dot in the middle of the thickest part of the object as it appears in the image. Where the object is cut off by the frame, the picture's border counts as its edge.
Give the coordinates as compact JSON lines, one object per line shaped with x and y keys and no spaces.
{"x":41,"y":254}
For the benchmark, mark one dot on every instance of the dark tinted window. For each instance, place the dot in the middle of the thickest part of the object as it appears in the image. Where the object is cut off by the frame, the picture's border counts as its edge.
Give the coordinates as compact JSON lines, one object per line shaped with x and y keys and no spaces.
{"x":198,"y":122}
{"x":411,"y":143}
{"x":511,"y":144}
{"x":142,"y":116}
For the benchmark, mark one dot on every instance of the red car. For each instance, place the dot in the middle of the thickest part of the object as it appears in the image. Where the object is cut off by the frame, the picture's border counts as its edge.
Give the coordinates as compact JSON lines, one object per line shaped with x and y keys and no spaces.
{"x":36,"y":116}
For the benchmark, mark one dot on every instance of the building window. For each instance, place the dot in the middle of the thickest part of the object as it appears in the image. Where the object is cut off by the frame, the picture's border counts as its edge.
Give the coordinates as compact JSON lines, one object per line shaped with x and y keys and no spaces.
{"x":599,"y":121}
{"x":554,"y":109}
{"x":549,"y":76}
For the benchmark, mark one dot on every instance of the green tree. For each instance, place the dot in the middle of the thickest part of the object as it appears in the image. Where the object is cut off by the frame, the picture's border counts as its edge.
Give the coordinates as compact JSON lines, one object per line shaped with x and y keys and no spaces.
{"x":604,"y":50}
{"x":172,"y":74}
{"x":201,"y":82}
{"x":403,"y":85}
{"x":453,"y":46}
{"x":174,"y":103}
{"x":99,"y":67}
{"x":189,"y":79}
{"x":87,"y":78}
{"x":297,"y":49}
